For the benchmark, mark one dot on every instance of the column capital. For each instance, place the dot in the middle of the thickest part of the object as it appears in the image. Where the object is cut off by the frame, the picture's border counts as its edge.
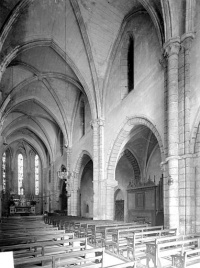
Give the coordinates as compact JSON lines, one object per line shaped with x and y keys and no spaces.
{"x":186,"y":39}
{"x":97,"y":122}
{"x":172,"y":47}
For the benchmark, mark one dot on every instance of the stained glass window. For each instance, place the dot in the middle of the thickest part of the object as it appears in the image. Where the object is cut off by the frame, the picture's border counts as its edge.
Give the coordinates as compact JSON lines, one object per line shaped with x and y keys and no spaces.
{"x":36,"y":175}
{"x":4,"y":171}
{"x":20,"y":172}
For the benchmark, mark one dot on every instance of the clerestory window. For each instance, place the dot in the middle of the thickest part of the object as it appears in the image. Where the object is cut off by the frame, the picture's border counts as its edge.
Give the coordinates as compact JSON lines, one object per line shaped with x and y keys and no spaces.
{"x":130,"y":61}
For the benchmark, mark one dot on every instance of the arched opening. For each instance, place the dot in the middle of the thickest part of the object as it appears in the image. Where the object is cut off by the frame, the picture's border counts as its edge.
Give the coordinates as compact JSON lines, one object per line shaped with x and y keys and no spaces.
{"x":135,"y":167}
{"x":86,"y":191}
{"x":141,"y":177}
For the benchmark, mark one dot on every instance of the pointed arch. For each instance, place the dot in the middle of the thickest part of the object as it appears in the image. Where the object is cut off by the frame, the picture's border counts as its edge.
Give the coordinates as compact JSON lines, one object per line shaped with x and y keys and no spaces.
{"x":122,"y":138}
{"x":134,"y":163}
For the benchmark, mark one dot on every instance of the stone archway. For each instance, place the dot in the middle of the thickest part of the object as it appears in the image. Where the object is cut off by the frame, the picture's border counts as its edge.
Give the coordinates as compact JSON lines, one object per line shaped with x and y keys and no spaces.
{"x":83,"y":159}
{"x":114,"y":153}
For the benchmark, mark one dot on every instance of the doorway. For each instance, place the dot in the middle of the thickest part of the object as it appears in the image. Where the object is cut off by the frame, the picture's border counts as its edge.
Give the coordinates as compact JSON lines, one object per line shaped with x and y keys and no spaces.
{"x":119,"y":206}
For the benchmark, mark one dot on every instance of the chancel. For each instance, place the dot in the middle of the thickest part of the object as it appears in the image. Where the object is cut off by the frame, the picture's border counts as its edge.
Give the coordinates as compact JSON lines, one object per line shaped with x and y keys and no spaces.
{"x":99,"y":124}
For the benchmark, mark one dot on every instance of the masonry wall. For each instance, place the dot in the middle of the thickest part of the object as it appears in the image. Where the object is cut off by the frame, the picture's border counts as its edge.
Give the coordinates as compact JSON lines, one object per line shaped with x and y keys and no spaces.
{"x":147,"y":98}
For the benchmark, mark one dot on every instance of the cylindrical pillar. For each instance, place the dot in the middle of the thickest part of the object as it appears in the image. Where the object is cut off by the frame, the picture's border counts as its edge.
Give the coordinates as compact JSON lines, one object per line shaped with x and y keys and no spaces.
{"x":189,"y":170}
{"x":172,"y":48}
{"x":98,"y":169}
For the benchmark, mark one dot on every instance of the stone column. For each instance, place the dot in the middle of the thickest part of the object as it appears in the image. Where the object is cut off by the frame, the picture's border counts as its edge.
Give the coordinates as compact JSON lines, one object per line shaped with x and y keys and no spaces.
{"x":110,"y":204}
{"x":1,"y":179}
{"x":189,"y":222}
{"x":70,"y":209}
{"x":99,"y":196}
{"x":74,"y":199}
{"x":172,"y":48}
{"x":55,"y":190}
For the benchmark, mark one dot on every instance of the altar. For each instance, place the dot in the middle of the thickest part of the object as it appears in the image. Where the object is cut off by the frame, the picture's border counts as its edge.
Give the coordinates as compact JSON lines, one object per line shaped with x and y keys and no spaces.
{"x":22,"y":206}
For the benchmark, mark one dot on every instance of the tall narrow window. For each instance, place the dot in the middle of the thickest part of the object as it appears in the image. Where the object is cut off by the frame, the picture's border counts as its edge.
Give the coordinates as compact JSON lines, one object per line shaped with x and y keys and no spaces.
{"x":20,"y":173}
{"x":4,"y":171}
{"x":61,"y":142}
{"x":130,"y":60}
{"x":82,"y":113}
{"x":36,"y":175}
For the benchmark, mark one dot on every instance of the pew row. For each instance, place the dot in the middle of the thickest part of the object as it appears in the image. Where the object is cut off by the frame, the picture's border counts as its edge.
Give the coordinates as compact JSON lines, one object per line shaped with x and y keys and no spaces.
{"x":188,"y":258}
{"x":46,"y":248}
{"x":132,"y":245}
{"x":100,"y":234}
{"x":34,"y":238}
{"x":161,"y":250}
{"x":112,"y":235}
{"x":84,"y":258}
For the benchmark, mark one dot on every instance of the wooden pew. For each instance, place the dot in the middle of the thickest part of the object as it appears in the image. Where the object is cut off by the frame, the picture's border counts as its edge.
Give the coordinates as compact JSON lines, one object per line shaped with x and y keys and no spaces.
{"x":123,"y":265}
{"x":84,"y":258}
{"x":136,"y":247}
{"x":188,"y":258}
{"x":46,"y":248}
{"x":164,"y":248}
{"x":98,"y":234}
{"x":37,"y":232}
{"x":24,"y":228}
{"x":132,"y":243}
{"x":34,"y":238}
{"x":116,"y":234}
{"x":27,"y":235}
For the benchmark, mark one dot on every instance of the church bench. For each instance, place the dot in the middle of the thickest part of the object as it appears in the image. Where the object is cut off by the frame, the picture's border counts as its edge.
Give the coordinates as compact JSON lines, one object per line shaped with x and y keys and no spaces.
{"x":136,"y":247}
{"x":84,"y":228}
{"x":7,"y":233}
{"x":115,"y":234}
{"x":132,"y":243}
{"x":27,"y":227}
{"x":99,"y":233}
{"x":164,"y":248}
{"x":35,"y":238}
{"x":31,"y":234}
{"x":22,"y":232}
{"x":123,"y":265}
{"x":47,"y":248}
{"x":188,"y":258}
{"x":82,"y":258}
{"x":80,"y":227}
